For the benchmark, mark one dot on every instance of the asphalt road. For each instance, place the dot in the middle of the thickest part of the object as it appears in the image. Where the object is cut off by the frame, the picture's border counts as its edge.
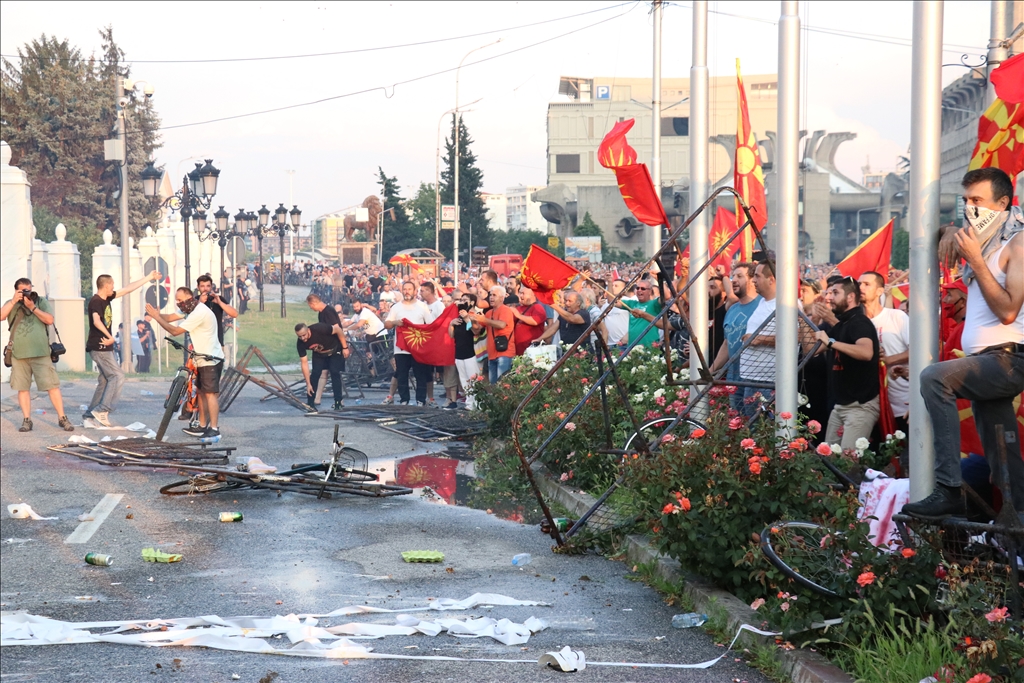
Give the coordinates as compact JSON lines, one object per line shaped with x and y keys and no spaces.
{"x":294,"y":554}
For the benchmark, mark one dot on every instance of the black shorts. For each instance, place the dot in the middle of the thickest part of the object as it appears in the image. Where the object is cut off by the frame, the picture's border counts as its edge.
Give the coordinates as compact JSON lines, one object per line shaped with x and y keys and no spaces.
{"x":208,"y":378}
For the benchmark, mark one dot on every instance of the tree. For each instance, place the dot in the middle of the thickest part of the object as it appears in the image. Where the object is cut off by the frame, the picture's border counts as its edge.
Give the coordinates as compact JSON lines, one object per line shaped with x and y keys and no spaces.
{"x":519,"y":241}
{"x":471,"y":180}
{"x":58,"y":108}
{"x":422,"y":219}
{"x":396,"y":224}
{"x":900,"y":249}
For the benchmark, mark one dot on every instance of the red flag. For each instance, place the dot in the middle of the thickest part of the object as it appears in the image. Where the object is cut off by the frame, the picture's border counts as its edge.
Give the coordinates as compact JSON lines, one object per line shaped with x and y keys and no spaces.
{"x":874,"y":253}
{"x":430,"y":344}
{"x":428,"y":470}
{"x":748,"y":178}
{"x":886,"y":420}
{"x":634,"y":179}
{"x":721,"y":230}
{"x":1008,"y":80}
{"x":544,"y":273}
{"x":1000,"y":139}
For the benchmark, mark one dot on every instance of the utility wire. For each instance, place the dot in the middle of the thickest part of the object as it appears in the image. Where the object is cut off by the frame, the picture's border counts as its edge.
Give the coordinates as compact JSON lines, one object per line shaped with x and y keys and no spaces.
{"x":360,"y":50}
{"x":384,"y":88}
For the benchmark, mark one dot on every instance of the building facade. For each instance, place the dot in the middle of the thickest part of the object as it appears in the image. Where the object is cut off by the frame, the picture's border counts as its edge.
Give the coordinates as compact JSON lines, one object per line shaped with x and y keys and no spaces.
{"x":522,"y":212}
{"x":496,"y":206}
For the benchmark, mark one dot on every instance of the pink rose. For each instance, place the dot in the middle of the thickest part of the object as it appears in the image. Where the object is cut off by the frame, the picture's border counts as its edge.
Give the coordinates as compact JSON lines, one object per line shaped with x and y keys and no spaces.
{"x":786,"y":416}
{"x":997,"y":615}
{"x":747,"y":444}
{"x":757,"y":604}
{"x":814,"y":426}
{"x":823,"y":449}
{"x":571,"y":426}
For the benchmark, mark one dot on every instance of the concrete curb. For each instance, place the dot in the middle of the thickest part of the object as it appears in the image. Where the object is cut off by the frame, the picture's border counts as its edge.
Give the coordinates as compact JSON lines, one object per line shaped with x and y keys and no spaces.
{"x":802,"y":666}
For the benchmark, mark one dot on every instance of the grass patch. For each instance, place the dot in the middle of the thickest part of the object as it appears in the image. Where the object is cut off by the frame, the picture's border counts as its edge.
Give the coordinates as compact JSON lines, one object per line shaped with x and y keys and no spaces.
{"x":647,"y":573}
{"x":717,"y":624}
{"x":763,"y":658}
{"x":274,"y":335}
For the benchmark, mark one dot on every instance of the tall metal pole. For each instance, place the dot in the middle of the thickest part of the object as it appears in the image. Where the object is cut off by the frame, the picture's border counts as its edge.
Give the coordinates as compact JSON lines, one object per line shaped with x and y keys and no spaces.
{"x":458,"y":212}
{"x":126,"y":306}
{"x":926,"y":114}
{"x":259,"y":237}
{"x":658,"y":10}
{"x":698,"y":182}
{"x":787,"y":257}
{"x":236,"y":299}
{"x":1000,"y":27}
{"x":186,"y":213}
{"x":280,"y":232}
{"x":291,"y":235}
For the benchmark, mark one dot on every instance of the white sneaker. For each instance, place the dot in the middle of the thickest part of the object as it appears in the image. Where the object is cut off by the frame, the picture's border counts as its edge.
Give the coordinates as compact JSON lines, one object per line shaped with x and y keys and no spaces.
{"x":103,"y":417}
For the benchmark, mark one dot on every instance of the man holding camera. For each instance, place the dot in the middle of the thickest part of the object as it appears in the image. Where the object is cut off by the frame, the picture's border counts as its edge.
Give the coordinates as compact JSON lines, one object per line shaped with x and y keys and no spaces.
{"x":28,"y":315}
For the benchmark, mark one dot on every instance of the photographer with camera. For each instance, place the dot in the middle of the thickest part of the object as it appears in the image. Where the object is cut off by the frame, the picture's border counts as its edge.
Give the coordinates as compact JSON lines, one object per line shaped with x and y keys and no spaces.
{"x":29,"y":353}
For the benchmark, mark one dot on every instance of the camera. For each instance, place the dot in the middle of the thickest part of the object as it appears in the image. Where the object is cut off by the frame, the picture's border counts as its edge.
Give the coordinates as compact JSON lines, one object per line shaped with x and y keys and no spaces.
{"x":123,"y":101}
{"x":30,"y":295}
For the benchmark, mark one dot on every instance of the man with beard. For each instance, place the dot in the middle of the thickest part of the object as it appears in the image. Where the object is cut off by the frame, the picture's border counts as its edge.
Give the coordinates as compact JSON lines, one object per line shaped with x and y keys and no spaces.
{"x":991,"y":375}
{"x":893,"y":327}
{"x":852,"y":348}
{"x":416,"y":312}
{"x":734,"y":326}
{"x":327,"y":342}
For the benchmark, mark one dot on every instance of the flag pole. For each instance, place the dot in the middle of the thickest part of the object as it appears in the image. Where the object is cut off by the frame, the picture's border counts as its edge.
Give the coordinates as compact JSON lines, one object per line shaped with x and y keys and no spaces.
{"x":787,"y":255}
{"x":925,"y":112}
{"x":699,"y":185}
{"x":655,"y":232}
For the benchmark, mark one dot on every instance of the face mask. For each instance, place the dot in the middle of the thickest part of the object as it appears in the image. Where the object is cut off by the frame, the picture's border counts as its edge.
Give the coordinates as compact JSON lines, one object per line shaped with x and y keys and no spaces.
{"x":188,"y":305}
{"x":981,"y":218}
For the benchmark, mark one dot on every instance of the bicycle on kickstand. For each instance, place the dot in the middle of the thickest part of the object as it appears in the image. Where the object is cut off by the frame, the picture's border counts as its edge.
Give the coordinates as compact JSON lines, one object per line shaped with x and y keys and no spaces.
{"x":183,"y":389}
{"x":345,"y":472}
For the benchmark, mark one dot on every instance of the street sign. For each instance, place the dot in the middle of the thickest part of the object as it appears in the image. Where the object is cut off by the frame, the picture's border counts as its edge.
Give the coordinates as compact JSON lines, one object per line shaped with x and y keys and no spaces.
{"x":552,"y":243}
{"x":447,"y":225}
{"x":448,"y":213}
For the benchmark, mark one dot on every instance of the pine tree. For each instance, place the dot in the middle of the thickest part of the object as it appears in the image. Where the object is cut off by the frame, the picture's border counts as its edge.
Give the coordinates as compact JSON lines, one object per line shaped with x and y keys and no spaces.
{"x":471,"y":180}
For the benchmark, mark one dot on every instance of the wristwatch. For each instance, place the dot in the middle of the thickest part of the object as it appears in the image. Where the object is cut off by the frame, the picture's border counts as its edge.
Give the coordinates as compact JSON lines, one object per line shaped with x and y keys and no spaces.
{"x":831,"y":341}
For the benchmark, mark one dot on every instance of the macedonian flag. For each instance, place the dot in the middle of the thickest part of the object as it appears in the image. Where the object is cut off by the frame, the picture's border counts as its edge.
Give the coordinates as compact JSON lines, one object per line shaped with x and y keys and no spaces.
{"x":634,"y":179}
{"x":430,"y":344}
{"x":544,"y":273}
{"x":748,"y":179}
{"x":721,"y":230}
{"x":1001,"y":127}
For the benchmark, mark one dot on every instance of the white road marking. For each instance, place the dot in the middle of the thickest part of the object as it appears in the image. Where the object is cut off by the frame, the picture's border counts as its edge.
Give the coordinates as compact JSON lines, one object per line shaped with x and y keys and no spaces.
{"x":99,"y":513}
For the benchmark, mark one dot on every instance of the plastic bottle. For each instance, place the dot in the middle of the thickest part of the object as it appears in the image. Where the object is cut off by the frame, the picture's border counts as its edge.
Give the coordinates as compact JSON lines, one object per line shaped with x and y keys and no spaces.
{"x":39,"y":411}
{"x":147,"y":393}
{"x":359,"y":401}
{"x":689,"y":620}
{"x":521,"y":560}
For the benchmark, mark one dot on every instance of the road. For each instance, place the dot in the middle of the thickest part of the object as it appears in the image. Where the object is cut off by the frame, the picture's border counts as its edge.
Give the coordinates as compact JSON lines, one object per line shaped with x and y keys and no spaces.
{"x":294,"y":554}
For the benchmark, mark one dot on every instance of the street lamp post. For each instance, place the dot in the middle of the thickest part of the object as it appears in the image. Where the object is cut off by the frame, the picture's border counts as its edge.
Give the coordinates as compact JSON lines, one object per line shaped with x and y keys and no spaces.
{"x":285,"y":221}
{"x":264,"y":220}
{"x":437,"y":179}
{"x":455,"y":161}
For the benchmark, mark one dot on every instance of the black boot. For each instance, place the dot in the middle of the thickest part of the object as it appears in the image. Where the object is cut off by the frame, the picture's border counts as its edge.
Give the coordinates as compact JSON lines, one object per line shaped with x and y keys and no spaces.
{"x":944,"y":501}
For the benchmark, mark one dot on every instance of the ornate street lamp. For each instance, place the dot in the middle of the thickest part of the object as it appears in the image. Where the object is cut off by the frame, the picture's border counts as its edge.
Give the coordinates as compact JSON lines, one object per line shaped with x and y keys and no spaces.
{"x":281,"y":226}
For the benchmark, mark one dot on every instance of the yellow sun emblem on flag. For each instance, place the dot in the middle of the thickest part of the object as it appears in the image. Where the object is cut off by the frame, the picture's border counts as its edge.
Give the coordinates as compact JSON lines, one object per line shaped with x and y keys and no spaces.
{"x":416,"y":475}
{"x":416,"y":338}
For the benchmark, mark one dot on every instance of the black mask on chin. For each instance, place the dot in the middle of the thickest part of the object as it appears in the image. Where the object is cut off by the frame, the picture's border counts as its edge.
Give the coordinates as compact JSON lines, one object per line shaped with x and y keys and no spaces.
{"x":188,"y":305}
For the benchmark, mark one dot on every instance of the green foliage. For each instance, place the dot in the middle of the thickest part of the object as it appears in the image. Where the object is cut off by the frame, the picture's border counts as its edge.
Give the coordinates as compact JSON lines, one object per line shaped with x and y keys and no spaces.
{"x":704,"y":495}
{"x":421,"y":210}
{"x":901,"y":249}
{"x":399,"y":232}
{"x":499,"y":486}
{"x":58,"y":107}
{"x":86,"y":237}
{"x":519,"y":241}
{"x":471,"y":184}
{"x":573,"y":454}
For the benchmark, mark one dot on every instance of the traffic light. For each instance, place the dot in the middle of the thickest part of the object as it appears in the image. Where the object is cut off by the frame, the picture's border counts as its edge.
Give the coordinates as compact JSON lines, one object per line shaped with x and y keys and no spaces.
{"x":479,"y":257}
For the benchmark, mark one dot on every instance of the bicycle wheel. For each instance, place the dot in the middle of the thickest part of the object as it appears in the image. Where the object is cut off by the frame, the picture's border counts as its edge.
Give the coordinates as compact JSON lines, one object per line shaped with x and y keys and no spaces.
{"x":171,"y":404}
{"x":200,"y":484}
{"x":807,"y":553}
{"x":652,"y":429}
{"x":341,"y":474}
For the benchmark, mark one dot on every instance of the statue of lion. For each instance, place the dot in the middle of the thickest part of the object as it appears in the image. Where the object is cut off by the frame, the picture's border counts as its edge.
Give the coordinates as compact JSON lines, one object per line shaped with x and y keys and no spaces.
{"x":374,"y":207}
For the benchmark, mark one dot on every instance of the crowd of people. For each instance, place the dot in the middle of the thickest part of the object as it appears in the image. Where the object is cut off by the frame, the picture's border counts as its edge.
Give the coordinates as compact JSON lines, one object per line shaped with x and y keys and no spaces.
{"x":854,"y":334}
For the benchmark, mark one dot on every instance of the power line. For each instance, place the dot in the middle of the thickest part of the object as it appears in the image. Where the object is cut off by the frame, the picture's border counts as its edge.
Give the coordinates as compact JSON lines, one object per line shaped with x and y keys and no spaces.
{"x":384,"y":88}
{"x":360,"y":50}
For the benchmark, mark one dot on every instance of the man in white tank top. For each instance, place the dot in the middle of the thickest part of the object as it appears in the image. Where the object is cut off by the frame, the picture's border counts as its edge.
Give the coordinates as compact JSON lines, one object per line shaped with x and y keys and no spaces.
{"x":991,"y":376}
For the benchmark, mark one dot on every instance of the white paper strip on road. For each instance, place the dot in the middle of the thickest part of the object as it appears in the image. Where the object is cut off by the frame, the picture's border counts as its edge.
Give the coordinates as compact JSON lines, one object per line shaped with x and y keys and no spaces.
{"x":247,"y":634}
{"x":99,"y":513}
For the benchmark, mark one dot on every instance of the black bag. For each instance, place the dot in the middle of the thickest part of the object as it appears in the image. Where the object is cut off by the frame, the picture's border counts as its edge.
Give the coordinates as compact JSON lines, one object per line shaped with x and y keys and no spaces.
{"x":57,"y":348}
{"x":9,"y":349}
{"x":500,"y":344}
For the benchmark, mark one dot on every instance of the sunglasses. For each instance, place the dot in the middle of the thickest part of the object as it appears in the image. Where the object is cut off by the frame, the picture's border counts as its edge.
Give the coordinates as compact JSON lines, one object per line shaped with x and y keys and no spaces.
{"x":642,"y":289}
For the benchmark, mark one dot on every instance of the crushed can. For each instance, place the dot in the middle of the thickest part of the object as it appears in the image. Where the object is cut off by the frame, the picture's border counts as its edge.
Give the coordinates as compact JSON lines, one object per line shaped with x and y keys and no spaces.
{"x":98,"y":559}
{"x":231,"y":516}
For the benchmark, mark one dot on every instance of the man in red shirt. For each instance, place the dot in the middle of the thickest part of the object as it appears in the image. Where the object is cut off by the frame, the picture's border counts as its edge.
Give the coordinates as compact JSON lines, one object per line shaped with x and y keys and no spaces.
{"x":530,"y":318}
{"x":500,"y":324}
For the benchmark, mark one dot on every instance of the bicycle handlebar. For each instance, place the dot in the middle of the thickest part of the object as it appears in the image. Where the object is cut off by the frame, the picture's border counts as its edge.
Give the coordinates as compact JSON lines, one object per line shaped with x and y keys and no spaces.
{"x":194,"y":354}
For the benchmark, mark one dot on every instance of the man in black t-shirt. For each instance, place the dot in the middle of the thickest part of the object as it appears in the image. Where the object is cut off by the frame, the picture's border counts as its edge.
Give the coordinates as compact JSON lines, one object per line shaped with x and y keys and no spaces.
{"x":100,"y":345}
{"x":329,"y":348}
{"x":573,"y":319}
{"x":852,"y":348}
{"x":324,"y":313}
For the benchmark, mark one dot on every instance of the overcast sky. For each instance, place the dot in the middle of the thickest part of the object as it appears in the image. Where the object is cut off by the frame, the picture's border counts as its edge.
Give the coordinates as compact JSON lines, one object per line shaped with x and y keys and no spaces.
{"x":858,"y":79}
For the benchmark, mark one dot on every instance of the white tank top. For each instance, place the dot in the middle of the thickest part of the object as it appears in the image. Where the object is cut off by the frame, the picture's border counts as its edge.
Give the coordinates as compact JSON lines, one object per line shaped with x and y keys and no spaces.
{"x":982,"y":328}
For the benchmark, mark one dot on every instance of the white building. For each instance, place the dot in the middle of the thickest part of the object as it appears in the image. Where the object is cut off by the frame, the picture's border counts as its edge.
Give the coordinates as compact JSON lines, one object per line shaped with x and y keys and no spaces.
{"x":496,"y":206}
{"x":524,"y":213}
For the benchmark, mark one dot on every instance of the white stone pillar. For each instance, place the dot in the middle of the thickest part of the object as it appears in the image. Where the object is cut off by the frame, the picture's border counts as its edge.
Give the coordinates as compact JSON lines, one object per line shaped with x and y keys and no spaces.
{"x":106,"y":260}
{"x":37,"y":270}
{"x":63,"y":262}
{"x":165,"y":236}
{"x":15,"y":234}
{"x":138,"y":297}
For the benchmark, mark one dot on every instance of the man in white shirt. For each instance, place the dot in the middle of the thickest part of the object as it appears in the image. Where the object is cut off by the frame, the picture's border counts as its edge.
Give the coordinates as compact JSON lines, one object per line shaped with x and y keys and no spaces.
{"x":201,"y":325}
{"x":894,"y":335}
{"x":416,"y":312}
{"x":366,"y":320}
{"x":429,"y":294}
{"x":757,"y":364}
{"x":616,"y":323}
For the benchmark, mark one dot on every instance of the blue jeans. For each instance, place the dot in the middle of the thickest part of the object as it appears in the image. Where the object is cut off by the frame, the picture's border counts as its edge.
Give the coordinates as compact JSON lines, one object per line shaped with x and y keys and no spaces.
{"x":498,"y":367}
{"x":109,"y":384}
{"x":990,"y":381}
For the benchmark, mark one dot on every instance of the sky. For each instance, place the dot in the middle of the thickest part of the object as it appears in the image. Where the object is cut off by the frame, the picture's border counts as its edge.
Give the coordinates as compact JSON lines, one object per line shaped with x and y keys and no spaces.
{"x":377,"y":107}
